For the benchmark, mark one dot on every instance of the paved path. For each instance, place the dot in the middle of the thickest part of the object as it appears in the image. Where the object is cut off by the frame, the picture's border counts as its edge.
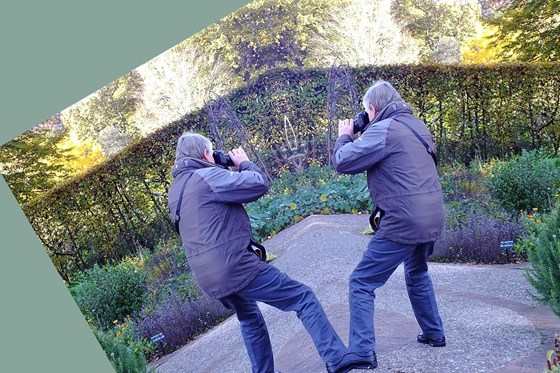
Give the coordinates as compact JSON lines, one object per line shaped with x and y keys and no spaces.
{"x":491,"y":323}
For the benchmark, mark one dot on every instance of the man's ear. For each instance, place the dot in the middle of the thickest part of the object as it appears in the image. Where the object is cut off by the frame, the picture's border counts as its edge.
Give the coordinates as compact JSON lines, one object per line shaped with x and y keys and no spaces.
{"x":373,"y":111}
{"x":208,"y":155}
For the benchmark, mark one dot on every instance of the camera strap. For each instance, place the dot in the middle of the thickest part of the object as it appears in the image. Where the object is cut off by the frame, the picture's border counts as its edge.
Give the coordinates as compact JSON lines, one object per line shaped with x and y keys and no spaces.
{"x":177,"y":216}
{"x":431,"y":152}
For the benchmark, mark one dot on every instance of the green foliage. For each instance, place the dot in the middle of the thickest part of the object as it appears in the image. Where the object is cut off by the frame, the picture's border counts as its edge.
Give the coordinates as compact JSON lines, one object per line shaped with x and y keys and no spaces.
{"x":544,"y":274}
{"x":474,"y":229}
{"x":30,"y":164}
{"x":112,"y":106}
{"x":457,"y":211}
{"x":525,"y":182}
{"x":532,"y":225}
{"x":534,"y":27}
{"x":119,"y":207}
{"x":459,"y":182}
{"x":289,"y":183}
{"x":112,"y":292}
{"x":168,"y":273}
{"x":432,"y":21}
{"x":266,"y":34}
{"x":180,"y":320}
{"x":300,"y":196}
{"x":126,"y":353}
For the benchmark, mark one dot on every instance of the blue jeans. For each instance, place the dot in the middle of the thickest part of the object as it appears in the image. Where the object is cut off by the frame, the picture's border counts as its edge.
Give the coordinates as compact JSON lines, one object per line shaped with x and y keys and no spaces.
{"x":379,"y":261}
{"x":275,"y":288}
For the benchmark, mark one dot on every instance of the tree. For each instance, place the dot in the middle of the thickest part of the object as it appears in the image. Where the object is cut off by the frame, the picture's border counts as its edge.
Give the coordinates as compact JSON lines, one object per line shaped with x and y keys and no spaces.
{"x":531,"y":28}
{"x":83,"y":155}
{"x":31,"y":163}
{"x":434,"y":23}
{"x":179,"y":81}
{"x":266,"y":34}
{"x":114,"y":105}
{"x":366,"y":35}
{"x":479,"y":49}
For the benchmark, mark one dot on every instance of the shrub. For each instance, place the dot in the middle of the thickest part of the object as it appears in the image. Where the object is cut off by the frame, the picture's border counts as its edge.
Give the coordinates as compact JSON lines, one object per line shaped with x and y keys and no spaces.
{"x":180,"y":319}
{"x":544,"y":275}
{"x":474,"y":231}
{"x":288,"y":183}
{"x":457,"y":212}
{"x":126,"y":354}
{"x":168,"y":272}
{"x":458,"y":181}
{"x":111,"y":292}
{"x":524,"y":182}
{"x":328,"y":194}
{"x":532,"y":225}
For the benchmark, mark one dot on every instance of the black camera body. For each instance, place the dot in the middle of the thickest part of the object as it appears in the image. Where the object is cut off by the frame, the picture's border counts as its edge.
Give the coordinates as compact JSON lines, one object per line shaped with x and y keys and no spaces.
{"x":361,"y":121}
{"x":221,"y":158}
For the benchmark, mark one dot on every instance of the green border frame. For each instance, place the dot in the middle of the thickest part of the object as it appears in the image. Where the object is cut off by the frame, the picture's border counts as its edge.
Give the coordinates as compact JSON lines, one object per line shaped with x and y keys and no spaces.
{"x":54,"y":53}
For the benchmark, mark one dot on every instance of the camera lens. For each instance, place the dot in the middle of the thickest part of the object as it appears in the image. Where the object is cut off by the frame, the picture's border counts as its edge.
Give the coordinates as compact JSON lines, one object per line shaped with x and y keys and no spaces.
{"x":361,"y":121}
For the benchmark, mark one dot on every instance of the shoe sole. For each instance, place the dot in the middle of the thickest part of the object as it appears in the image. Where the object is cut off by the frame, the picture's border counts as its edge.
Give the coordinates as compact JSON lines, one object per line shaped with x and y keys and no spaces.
{"x":360,"y":366}
{"x":433,"y":344}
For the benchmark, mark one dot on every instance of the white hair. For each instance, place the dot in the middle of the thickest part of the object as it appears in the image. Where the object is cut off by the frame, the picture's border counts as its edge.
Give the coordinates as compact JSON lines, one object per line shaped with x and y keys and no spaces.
{"x":192,"y":145}
{"x":379,"y":95}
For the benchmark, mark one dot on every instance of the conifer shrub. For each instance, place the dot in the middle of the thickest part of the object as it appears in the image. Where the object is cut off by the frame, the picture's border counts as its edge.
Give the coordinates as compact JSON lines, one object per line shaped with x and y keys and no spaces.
{"x":544,"y":274}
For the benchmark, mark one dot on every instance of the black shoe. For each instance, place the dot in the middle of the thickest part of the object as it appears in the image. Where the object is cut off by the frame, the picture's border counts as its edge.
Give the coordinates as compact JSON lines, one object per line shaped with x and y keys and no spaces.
{"x":436,"y":342}
{"x":353,"y":361}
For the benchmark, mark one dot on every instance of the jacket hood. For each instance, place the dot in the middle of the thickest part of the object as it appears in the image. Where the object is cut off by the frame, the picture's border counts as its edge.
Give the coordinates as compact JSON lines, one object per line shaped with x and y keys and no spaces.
{"x":189,"y":164}
{"x":391,"y":109}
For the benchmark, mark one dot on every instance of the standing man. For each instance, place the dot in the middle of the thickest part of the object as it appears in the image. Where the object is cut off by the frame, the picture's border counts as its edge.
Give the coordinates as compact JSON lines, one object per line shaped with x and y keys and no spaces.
{"x":396,"y":150}
{"x":216,"y":231}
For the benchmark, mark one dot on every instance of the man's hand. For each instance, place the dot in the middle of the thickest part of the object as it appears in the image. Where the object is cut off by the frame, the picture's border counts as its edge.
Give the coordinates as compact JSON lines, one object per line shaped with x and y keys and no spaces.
{"x":346,"y":127}
{"x":237,"y":156}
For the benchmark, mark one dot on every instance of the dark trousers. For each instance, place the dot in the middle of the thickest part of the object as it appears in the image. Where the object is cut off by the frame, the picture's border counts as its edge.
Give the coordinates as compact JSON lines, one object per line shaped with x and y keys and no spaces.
{"x":379,"y":261}
{"x":275,"y":288}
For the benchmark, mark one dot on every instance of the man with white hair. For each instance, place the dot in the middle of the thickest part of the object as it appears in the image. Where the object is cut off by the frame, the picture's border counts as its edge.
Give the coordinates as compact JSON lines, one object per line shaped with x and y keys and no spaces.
{"x":397,"y":152}
{"x":207,"y":200}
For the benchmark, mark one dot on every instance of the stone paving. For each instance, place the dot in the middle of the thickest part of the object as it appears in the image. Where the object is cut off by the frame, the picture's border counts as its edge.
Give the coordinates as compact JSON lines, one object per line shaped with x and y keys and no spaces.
{"x":491,"y":322}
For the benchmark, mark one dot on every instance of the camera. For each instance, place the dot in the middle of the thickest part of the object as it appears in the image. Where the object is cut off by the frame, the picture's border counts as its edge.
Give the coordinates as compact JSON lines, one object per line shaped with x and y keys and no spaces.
{"x":361,"y":121}
{"x":221,"y":158}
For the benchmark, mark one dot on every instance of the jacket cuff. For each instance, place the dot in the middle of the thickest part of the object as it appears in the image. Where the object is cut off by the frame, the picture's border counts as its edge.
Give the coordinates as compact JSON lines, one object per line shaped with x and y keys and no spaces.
{"x":245,"y":165}
{"x":345,"y":138}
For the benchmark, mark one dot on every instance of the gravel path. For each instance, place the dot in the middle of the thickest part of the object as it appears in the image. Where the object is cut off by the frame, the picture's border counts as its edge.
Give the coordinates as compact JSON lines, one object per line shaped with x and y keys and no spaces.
{"x":491,"y":322}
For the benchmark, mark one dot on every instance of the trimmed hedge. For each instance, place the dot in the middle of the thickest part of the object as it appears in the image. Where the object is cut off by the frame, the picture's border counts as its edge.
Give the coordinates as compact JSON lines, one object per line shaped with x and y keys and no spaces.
{"x":119,"y":207}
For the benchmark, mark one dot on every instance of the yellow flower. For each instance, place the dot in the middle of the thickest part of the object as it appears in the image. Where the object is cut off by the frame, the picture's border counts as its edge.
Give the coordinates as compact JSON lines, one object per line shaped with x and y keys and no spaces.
{"x":123,"y":325}
{"x":118,"y":334}
{"x":293,"y":206}
{"x":531,"y":216}
{"x":115,"y":321}
{"x":324,"y":197}
{"x":535,"y":209}
{"x":539,"y":222}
